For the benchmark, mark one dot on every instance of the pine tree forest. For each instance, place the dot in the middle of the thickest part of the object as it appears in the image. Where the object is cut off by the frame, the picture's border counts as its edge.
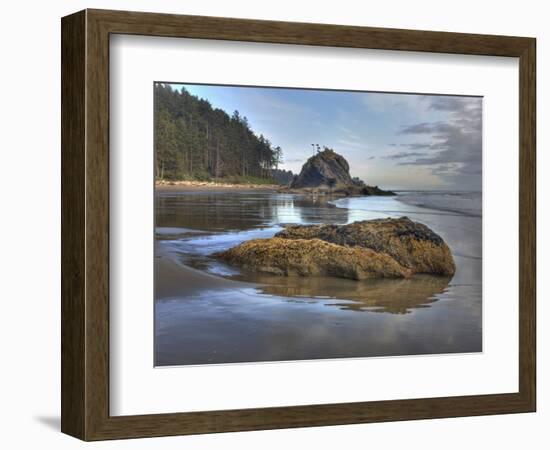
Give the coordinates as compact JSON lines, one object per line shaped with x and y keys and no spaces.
{"x":195,"y":141}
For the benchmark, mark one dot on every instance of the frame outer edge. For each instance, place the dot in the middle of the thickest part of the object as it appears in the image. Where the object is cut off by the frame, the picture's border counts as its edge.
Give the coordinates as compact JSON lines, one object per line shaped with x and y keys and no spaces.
{"x":85,"y":226}
{"x":96,"y":201}
{"x":307,"y":33}
{"x":73,"y":225}
{"x":528,"y":224}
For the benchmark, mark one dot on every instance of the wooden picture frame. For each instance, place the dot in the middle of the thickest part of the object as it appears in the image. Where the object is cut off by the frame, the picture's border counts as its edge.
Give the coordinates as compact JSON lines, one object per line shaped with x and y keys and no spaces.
{"x":85,"y":224}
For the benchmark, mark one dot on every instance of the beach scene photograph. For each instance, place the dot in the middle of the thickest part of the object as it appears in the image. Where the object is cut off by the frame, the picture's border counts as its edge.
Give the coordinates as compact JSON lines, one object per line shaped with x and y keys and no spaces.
{"x":296,"y":224}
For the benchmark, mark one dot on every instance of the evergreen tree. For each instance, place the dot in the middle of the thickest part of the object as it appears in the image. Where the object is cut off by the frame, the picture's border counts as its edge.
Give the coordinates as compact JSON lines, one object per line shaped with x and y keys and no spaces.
{"x":193,"y":140}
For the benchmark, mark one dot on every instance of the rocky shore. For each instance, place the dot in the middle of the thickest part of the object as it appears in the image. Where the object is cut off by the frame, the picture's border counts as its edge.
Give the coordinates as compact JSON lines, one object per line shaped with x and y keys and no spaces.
{"x":339,"y":191}
{"x":381,"y":248}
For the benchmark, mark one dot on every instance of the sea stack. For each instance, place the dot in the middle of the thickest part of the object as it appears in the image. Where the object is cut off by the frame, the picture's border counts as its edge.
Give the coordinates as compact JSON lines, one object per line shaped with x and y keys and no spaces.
{"x":327,"y":171}
{"x":326,"y":168}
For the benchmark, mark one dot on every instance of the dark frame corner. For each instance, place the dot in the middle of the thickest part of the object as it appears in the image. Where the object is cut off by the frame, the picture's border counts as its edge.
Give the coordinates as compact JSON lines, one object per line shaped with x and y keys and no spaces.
{"x":85,"y":224}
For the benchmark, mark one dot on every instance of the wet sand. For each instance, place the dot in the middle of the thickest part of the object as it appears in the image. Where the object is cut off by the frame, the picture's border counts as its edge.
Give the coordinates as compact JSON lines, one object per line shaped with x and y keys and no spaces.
{"x":172,"y":278}
{"x":207,"y":312}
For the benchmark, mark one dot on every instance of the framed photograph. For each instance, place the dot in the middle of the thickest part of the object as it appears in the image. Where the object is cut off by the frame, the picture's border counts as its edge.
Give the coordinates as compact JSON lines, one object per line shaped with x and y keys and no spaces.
{"x":270,"y":224}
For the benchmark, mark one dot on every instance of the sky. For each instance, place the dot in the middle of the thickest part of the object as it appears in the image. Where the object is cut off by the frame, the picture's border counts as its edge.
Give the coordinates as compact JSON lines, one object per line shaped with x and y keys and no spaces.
{"x":395,"y":141}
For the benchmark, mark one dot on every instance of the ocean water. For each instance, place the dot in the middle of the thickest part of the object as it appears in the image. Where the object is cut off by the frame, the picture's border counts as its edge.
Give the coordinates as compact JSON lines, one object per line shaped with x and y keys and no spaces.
{"x":252,"y":318}
{"x":461,"y":202}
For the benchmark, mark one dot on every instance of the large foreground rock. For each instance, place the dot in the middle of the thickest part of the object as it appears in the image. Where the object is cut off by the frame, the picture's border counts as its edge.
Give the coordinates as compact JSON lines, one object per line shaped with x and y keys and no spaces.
{"x":313,"y":257}
{"x":382,"y":248}
{"x":412,"y":244}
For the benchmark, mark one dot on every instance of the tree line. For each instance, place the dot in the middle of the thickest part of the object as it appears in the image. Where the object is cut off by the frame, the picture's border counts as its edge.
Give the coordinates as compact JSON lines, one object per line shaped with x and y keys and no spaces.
{"x":194,"y":140}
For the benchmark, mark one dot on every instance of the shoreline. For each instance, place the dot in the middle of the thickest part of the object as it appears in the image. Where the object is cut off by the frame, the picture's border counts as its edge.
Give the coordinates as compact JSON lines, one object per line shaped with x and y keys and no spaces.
{"x":175,"y":279}
{"x":468,"y":212}
{"x":211,"y":185}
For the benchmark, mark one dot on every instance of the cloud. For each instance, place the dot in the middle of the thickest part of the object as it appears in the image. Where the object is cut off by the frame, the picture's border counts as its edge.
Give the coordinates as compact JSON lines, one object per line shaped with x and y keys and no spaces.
{"x":452,"y":104}
{"x":349,"y":134}
{"x":383,"y":102}
{"x":428,"y":128}
{"x":419,"y":146}
{"x":352,"y":143}
{"x":453,"y":146}
{"x":268,"y":100}
{"x":403,"y":155}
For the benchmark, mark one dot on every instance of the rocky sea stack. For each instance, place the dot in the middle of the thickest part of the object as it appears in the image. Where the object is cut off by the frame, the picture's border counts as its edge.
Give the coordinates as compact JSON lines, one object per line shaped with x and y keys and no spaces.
{"x":329,"y":171}
{"x":323,"y":169}
{"x":381,"y":248}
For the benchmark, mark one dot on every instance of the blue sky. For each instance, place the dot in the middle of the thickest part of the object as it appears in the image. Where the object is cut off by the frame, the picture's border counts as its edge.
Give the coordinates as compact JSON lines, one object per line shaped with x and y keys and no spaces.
{"x":396,"y":141}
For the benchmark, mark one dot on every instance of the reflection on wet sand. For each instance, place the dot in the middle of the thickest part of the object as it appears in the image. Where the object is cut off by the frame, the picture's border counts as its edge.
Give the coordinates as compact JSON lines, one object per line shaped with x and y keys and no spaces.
{"x":318,"y":210}
{"x":214,"y":211}
{"x":383,"y":296}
